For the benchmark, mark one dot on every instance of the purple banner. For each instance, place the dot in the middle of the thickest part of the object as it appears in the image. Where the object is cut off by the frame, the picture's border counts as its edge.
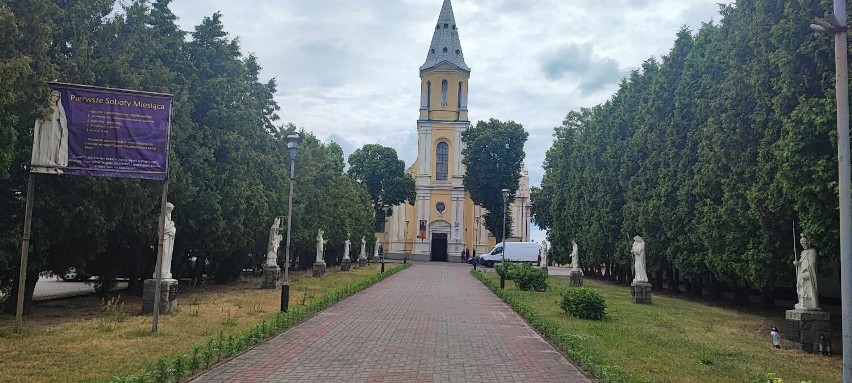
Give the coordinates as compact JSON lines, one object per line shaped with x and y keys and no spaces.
{"x":91,"y":131}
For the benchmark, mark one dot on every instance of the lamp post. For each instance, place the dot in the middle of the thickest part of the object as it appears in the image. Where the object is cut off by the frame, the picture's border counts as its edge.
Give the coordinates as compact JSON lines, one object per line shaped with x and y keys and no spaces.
{"x":385,"y":227}
{"x":503,"y":253}
{"x":837,"y":27}
{"x":475,"y":233}
{"x":293,"y":142}
{"x":405,"y":242}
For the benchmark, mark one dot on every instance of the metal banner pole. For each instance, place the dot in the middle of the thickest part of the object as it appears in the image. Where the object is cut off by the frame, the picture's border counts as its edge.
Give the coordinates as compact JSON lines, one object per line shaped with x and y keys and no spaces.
{"x":25,"y":250}
{"x":158,"y":272}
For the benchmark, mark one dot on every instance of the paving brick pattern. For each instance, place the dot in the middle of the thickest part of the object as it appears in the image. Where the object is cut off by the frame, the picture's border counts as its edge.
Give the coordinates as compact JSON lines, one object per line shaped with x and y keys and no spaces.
{"x":430,"y":323}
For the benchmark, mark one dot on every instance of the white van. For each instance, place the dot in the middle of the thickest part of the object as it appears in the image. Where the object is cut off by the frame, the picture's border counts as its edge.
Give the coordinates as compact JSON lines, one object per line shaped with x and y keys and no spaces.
{"x":515,"y":252}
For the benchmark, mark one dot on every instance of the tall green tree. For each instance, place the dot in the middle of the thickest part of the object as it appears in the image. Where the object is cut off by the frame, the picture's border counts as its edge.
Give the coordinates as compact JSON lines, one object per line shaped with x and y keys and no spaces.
{"x":493,"y":155}
{"x":383,"y":174}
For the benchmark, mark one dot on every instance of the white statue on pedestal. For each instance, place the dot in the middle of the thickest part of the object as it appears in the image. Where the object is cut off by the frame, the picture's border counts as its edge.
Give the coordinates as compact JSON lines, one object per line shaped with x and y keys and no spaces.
{"x":575,"y":256}
{"x":806,"y":277}
{"x":363,"y":254}
{"x":638,"y":251}
{"x":274,"y":241}
{"x":346,"y":246}
{"x":169,"y":231}
{"x":543,"y":254}
{"x":320,"y":247}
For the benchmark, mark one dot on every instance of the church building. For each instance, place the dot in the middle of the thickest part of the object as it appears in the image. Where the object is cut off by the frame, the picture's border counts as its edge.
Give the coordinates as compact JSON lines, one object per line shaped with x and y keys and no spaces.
{"x":444,"y":220}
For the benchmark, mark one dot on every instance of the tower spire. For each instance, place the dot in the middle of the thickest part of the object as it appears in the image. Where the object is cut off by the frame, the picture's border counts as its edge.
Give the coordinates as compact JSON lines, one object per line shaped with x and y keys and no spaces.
{"x":446,"y":45}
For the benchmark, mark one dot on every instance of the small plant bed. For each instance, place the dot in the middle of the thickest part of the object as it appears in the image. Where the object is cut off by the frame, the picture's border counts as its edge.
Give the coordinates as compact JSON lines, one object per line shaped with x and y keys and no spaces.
{"x":672,"y":340}
{"x":90,"y":341}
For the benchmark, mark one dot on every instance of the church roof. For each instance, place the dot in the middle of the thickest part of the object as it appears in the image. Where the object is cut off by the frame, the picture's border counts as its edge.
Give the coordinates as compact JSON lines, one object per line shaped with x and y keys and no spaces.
{"x":446,"y":45}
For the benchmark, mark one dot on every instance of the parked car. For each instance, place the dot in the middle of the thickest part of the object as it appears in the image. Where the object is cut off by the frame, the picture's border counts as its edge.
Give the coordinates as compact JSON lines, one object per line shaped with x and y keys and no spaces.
{"x":74,"y":275}
{"x":529,"y":252}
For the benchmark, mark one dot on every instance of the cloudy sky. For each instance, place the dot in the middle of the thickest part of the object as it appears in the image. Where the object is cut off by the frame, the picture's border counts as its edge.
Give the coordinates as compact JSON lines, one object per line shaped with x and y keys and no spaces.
{"x":348,"y":70}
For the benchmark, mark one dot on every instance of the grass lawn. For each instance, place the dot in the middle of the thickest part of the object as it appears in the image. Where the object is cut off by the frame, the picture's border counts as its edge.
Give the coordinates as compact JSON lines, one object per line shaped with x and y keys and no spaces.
{"x":676,"y":340}
{"x":86,"y":340}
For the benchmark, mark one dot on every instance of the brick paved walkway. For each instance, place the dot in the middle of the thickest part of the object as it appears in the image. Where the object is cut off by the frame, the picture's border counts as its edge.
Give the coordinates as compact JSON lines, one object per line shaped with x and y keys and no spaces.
{"x":415,"y":326}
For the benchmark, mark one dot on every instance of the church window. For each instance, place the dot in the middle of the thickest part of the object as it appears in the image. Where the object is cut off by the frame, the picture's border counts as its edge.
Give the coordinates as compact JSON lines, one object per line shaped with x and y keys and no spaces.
{"x":444,"y":86}
{"x":458,"y":51}
{"x":441,"y":207}
{"x":442,"y":161}
{"x":432,"y":50}
{"x":454,"y":26}
{"x":428,"y":93}
{"x":461,"y":94}
{"x":445,"y":49}
{"x":446,"y":25}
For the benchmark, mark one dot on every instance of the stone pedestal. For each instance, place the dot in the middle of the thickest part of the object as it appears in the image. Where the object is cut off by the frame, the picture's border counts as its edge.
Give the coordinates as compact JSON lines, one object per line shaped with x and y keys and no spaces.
{"x":319,"y":269}
{"x":640,"y":292}
{"x":168,"y":295}
{"x":577,"y":281}
{"x":362,"y":262}
{"x":345,"y":265}
{"x":804,"y":327}
{"x":270,"y":277}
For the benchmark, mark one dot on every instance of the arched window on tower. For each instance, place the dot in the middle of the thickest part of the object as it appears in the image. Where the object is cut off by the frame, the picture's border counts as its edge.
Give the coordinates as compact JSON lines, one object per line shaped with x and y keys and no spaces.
{"x":444,"y":86}
{"x":428,"y":102}
{"x":442,"y":161}
{"x":461,"y":95}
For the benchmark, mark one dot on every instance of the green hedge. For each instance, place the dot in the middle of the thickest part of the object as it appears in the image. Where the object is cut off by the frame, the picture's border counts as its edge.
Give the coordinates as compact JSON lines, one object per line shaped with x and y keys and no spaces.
{"x":568,"y":344}
{"x":202,"y":357}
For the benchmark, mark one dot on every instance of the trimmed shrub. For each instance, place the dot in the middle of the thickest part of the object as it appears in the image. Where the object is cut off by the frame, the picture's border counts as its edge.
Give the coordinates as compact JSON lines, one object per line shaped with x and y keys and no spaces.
{"x":528,"y":278}
{"x":584,"y":303}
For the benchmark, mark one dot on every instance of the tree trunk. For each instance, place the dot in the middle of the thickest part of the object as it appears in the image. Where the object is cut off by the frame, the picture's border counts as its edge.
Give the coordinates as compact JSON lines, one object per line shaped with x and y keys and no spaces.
{"x":741,"y":294}
{"x":658,"y":279}
{"x":696,"y":287}
{"x":11,"y":304}
{"x":674,"y":284}
{"x":716,"y":290}
{"x":769,"y":298}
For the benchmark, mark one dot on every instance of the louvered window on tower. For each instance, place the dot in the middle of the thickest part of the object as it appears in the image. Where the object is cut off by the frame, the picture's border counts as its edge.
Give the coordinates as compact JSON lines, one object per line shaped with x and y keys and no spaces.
{"x":442,"y":161}
{"x":461,"y":95}
{"x":444,"y":87}
{"x":428,"y":93}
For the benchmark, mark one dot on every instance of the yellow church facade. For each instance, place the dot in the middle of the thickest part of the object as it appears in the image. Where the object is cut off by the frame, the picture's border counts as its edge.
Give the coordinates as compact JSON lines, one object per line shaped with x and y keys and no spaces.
{"x":444,"y":221}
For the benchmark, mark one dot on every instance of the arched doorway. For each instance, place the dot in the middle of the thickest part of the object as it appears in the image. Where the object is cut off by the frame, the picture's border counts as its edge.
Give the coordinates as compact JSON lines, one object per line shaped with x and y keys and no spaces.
{"x":439,"y":232}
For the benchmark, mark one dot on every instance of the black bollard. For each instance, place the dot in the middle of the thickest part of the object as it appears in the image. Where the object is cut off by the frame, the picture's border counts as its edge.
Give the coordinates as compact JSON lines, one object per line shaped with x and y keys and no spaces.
{"x":474,"y":264}
{"x":285,"y":297}
{"x":383,"y":265}
{"x":502,"y":281}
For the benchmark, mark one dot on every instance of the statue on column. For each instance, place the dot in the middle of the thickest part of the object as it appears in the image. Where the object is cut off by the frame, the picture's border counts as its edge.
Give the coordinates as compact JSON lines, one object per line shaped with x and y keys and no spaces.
{"x":274,"y":241}
{"x":638,"y":251}
{"x":169,"y":231}
{"x":543,"y":253}
{"x":575,"y":256}
{"x":320,"y":247}
{"x":346,"y":245}
{"x":362,"y":257}
{"x":806,"y":277}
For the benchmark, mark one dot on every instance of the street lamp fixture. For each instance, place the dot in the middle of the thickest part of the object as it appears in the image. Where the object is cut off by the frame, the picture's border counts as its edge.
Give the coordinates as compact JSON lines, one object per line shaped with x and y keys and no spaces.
{"x":294,"y":141}
{"x":503,"y":253}
{"x":837,"y":27}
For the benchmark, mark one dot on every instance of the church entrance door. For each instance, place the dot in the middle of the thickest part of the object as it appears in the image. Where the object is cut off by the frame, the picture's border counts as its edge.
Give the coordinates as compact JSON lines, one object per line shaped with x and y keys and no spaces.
{"x":439,"y":247}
